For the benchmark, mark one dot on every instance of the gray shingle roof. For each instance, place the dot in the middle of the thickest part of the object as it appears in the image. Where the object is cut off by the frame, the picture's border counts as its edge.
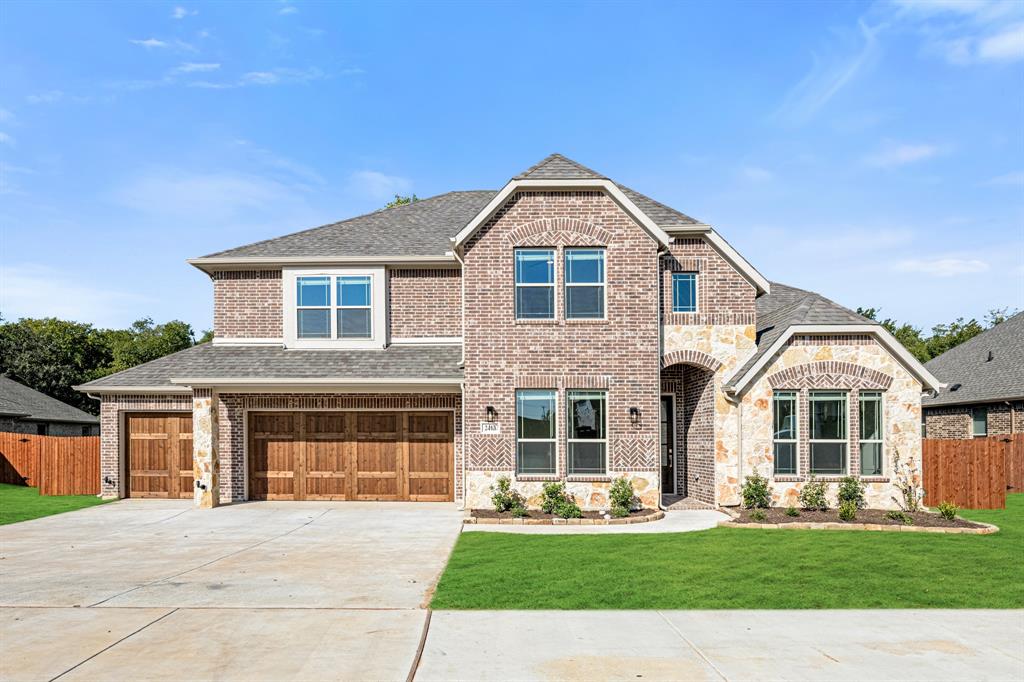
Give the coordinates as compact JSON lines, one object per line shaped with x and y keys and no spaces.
{"x":981,"y":379}
{"x":209,"y":361}
{"x":21,"y":401}
{"x":426,"y":227}
{"x":786,"y":306}
{"x":422,"y":228}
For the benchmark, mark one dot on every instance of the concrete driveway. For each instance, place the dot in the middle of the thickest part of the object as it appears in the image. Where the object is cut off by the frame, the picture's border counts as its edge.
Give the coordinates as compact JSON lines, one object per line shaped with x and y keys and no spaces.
{"x":267,"y":590}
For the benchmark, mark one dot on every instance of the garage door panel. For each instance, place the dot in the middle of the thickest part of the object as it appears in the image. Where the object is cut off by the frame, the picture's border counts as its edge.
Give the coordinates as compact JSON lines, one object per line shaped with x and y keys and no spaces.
{"x":159,"y":454}
{"x":351,"y":455}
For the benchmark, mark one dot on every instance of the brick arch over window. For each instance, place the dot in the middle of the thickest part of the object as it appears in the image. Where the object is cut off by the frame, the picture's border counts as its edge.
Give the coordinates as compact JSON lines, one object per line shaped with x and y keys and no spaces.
{"x":690,"y":357}
{"x":830,"y":374}
{"x":559,"y":232}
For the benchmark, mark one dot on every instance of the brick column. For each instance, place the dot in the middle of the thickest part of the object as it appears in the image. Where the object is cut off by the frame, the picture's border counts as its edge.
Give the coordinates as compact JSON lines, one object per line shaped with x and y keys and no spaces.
{"x":205,"y":447}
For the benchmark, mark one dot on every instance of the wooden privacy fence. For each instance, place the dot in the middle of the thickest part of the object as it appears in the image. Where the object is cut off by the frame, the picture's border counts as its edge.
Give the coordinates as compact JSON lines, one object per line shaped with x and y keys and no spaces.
{"x":57,"y":465}
{"x":974,"y":473}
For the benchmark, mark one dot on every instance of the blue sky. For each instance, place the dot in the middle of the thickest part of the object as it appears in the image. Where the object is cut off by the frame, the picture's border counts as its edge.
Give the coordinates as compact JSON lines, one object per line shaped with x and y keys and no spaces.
{"x":873,"y":152}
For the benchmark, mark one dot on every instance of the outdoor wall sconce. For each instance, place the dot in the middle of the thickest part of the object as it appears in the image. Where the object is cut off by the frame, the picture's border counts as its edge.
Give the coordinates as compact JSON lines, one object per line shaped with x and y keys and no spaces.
{"x":200,"y":485}
{"x":634,"y":415}
{"x":492,"y":414}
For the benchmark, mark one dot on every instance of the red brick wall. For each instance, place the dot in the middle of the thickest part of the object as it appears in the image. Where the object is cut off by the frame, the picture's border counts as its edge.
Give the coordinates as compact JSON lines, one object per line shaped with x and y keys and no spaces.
{"x":621,"y":352}
{"x":247,"y":304}
{"x":698,"y":432}
{"x":954,"y":421}
{"x":425,"y":302}
{"x":724,"y":296}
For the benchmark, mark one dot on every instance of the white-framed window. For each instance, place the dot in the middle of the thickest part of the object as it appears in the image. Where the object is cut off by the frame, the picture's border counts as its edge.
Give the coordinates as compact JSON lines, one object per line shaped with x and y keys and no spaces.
{"x":828,"y":432}
{"x":871,"y":446}
{"x":979,"y":421}
{"x":585,"y":284}
{"x":535,"y":432}
{"x":334,"y":307}
{"x":535,"y":284}
{"x":588,"y":432}
{"x":684,"y":292}
{"x":785,"y":430}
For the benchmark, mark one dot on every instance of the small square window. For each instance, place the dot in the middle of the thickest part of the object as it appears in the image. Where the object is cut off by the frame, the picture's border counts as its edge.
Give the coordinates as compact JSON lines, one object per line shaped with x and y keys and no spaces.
{"x":684,"y":292}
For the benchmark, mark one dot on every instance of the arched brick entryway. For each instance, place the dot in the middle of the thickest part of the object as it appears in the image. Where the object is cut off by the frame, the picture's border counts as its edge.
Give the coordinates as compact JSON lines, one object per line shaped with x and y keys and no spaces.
{"x":688,"y":378}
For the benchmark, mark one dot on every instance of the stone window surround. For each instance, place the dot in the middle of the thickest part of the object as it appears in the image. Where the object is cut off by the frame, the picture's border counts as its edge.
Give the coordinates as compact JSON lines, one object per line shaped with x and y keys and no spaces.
{"x":831,"y":376}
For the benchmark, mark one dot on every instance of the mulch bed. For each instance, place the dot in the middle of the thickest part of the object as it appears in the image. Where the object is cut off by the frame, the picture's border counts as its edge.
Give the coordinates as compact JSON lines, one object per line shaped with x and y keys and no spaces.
{"x":877,"y":516}
{"x":537,"y":514}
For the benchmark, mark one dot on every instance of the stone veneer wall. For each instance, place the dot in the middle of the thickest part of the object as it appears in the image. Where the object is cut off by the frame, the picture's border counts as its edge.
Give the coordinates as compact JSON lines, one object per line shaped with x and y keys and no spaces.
{"x":954,"y":421}
{"x":424,"y":302}
{"x":619,"y":354}
{"x":111,"y":408}
{"x":247,"y":304}
{"x":852,"y":363}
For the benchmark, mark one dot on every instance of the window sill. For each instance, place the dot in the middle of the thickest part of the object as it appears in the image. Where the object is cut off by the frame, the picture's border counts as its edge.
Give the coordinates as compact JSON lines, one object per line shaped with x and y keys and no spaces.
{"x":788,"y":478}
{"x":875,"y":479}
{"x":536,"y":478}
{"x":596,"y":478}
{"x":585,"y":320}
{"x":540,"y":322}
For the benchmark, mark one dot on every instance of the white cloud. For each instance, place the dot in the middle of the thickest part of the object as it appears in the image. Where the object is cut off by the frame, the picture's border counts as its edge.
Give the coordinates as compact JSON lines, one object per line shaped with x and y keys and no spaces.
{"x":156,"y":43}
{"x":893,"y":155}
{"x":6,"y":139}
{"x":288,"y":9}
{"x":6,"y":116}
{"x":1005,"y":46}
{"x":150,"y":43}
{"x":278,"y":76}
{"x":964,"y":32}
{"x":193,"y":67}
{"x":48,"y":97}
{"x":376,"y":185}
{"x":261,"y":78}
{"x":180,"y":12}
{"x":942,"y":267}
{"x":1013,"y":179}
{"x":32,"y":290}
{"x":756,"y":174}
{"x":828,"y":77}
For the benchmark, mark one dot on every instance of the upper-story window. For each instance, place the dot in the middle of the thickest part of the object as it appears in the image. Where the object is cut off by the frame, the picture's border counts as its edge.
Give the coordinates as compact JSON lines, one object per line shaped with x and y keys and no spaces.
{"x":334,"y":307}
{"x":684,"y":292}
{"x":535,"y":284}
{"x":584,"y":284}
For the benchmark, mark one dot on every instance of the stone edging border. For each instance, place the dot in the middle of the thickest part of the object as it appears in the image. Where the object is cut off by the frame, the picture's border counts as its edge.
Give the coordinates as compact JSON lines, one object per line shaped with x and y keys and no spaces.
{"x":987,"y":528}
{"x":656,"y":516}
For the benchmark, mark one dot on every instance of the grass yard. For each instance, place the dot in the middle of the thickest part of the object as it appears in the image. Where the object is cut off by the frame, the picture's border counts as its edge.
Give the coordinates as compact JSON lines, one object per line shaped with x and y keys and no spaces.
{"x":726,"y":568}
{"x":20,"y":503}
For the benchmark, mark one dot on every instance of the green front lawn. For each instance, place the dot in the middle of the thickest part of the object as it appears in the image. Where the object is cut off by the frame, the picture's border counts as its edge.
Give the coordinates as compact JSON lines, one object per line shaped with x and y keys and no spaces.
{"x":726,"y":568}
{"x":19,"y":503}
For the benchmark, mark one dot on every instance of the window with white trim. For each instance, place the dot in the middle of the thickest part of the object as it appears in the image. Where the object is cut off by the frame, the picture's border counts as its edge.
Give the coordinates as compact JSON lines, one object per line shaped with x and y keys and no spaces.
{"x":871,"y":448}
{"x":588,"y":432}
{"x":784,"y":427}
{"x":535,"y":432}
{"x":351,"y":304}
{"x":979,"y":421}
{"x":684,"y":292}
{"x":584,"y":284}
{"x":313,"y":307}
{"x":535,"y":284}
{"x":355,"y":297}
{"x":828,"y":432}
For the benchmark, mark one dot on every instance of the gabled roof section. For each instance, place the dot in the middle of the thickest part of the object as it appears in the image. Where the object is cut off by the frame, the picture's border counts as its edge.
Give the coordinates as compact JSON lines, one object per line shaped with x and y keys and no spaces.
{"x":22,"y":402}
{"x":787,"y":310}
{"x":421,"y":229}
{"x":558,"y":167}
{"x":989,"y":367}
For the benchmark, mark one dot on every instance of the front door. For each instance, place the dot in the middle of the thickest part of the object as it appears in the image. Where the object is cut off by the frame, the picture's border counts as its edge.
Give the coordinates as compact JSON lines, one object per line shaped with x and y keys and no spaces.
{"x":668,"y":445}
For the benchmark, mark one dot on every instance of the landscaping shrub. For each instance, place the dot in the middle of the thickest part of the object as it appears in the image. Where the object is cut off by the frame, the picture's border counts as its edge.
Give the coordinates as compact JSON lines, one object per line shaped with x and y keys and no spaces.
{"x":504,"y":498}
{"x":518,"y":511}
{"x":758,"y":515}
{"x":757,"y":494}
{"x":553,"y":495}
{"x":852,"y":490}
{"x":622,"y":497}
{"x":848,"y":510}
{"x":900,"y":516}
{"x":812,"y":496}
{"x":792,"y":511}
{"x":948,"y":510}
{"x":907,"y":481}
{"x":568,"y":509}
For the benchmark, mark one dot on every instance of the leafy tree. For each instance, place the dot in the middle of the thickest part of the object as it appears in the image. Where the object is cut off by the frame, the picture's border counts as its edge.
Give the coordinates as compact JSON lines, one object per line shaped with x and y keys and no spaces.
{"x":206,"y":337}
{"x":943,"y":336}
{"x":401,"y":201}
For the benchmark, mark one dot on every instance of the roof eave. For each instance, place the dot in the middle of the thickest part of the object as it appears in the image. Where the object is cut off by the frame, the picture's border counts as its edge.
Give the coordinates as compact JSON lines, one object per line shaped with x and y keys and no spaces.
{"x":938,"y":402}
{"x":210,"y":264}
{"x":140,"y":390}
{"x":726,"y":250}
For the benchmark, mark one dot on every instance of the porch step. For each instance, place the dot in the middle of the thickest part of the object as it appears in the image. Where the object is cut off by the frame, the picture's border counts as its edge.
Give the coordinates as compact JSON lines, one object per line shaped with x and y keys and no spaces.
{"x":679,"y":503}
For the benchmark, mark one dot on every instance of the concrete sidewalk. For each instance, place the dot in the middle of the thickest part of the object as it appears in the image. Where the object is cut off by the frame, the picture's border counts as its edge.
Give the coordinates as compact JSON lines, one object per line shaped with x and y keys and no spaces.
{"x":724,"y":645}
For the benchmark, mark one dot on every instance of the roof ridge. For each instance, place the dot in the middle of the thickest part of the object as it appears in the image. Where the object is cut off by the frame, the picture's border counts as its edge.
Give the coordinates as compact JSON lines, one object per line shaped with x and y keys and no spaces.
{"x":346,"y":220}
{"x":558,"y":157}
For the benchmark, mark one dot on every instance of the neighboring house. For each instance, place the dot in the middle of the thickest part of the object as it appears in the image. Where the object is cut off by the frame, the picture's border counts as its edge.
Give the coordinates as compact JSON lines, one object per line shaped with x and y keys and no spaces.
{"x":25,"y":410}
{"x":984,"y":392}
{"x":564,"y":328}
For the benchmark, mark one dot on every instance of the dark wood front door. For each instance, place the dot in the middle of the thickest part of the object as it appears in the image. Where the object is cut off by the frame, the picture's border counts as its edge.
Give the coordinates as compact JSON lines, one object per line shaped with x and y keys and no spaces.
{"x":668,"y":445}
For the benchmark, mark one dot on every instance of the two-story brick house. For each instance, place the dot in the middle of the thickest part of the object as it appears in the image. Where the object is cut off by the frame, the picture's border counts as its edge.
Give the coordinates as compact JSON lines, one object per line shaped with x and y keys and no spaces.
{"x":563,"y":328}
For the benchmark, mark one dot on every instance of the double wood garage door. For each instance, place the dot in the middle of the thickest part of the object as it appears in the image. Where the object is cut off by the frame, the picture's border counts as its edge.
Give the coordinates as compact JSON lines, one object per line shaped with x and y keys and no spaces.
{"x":158,"y":447}
{"x":351,"y":456}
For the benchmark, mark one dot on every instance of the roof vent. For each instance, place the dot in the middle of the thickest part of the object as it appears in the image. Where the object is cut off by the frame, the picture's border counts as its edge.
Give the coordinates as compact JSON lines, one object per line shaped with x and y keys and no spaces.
{"x":990,"y":356}
{"x":954,"y":387}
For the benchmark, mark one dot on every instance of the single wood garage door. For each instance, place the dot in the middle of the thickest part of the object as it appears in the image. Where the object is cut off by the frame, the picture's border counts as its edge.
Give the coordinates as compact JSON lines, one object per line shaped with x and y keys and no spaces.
{"x":351,"y":456}
{"x":159,"y":452}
